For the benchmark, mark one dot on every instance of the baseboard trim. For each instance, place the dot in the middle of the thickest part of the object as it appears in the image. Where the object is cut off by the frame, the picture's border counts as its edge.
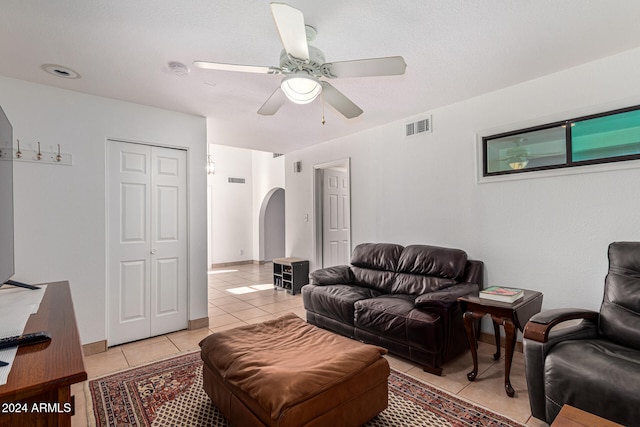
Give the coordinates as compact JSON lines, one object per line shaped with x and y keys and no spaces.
{"x":232,"y":263}
{"x":94,"y":348}
{"x":490,"y":339}
{"x":198,"y":323}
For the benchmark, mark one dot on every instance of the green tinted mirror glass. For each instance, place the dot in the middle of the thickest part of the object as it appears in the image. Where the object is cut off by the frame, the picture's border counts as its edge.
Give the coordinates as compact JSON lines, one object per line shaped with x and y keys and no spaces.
{"x":605,"y":137}
{"x":527,"y":150}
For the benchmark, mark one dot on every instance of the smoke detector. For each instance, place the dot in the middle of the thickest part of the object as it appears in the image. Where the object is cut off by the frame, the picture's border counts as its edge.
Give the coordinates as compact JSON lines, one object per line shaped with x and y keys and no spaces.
{"x":178,"y":68}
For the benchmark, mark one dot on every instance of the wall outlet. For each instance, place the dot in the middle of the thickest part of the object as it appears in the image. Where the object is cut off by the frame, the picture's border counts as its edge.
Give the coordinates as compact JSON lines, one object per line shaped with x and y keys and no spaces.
{"x":241,"y":251}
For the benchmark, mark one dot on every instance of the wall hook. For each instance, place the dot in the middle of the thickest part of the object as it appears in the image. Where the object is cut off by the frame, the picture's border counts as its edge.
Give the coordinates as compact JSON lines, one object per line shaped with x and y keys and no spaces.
{"x":39,"y":155}
{"x":18,"y":153}
{"x":59,"y":156}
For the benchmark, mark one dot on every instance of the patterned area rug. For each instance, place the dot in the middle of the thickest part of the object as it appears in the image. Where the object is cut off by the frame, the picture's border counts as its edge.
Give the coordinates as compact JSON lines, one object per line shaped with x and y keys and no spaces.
{"x":170,"y":393}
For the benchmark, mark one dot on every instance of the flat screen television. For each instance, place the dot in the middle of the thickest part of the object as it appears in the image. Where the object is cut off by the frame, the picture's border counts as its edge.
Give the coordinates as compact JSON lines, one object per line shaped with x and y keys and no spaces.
{"x":7,"y":256}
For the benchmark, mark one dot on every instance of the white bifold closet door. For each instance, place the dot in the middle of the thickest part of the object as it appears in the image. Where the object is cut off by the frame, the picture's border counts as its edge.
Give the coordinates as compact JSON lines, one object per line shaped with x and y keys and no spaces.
{"x":147,"y":241}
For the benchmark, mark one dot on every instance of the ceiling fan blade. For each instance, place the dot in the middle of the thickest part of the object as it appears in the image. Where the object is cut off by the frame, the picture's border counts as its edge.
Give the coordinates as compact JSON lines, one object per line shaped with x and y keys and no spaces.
{"x":273,"y":104}
{"x":290,"y":23}
{"x":234,"y":67}
{"x":389,"y":66}
{"x":341,"y":103}
{"x":542,"y":155}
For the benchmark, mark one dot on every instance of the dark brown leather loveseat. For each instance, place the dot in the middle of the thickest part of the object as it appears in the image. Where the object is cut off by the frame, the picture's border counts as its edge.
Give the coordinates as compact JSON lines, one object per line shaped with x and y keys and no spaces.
{"x":401,"y":298}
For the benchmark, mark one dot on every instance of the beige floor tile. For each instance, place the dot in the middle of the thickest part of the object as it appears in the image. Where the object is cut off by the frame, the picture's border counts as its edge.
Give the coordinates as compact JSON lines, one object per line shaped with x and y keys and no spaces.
{"x":235,"y":307}
{"x":216,"y":311}
{"x":218,"y":301}
{"x":398,"y":364}
{"x":488,"y":390}
{"x":250,"y":313}
{"x":144,"y":342}
{"x":148,"y":353}
{"x":79,"y":419}
{"x":258,"y":296}
{"x":454,"y":373}
{"x":227,"y":326}
{"x":280,"y":307}
{"x":189,"y":340}
{"x":221,"y":320}
{"x":110,"y":361}
{"x":261,"y":319}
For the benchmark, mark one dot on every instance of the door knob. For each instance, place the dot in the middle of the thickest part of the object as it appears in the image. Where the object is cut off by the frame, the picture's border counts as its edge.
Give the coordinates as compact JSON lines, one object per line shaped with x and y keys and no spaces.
{"x":153,"y":251}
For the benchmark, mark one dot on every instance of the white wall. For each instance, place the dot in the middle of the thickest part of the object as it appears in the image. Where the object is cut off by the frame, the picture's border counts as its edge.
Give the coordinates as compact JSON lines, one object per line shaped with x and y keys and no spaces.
{"x":548,"y":233}
{"x":60,"y":211}
{"x":231,"y":206}
{"x":268,"y":174}
{"x":234,"y":209}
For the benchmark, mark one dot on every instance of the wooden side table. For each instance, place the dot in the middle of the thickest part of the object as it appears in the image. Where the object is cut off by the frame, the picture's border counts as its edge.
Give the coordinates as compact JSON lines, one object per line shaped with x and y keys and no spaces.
{"x":509,"y":315}
{"x":574,"y":417}
{"x":42,"y":374}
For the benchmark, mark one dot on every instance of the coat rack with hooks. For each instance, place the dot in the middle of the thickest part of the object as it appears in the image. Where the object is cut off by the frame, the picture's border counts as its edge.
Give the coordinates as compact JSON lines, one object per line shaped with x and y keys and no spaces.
{"x":37,"y":156}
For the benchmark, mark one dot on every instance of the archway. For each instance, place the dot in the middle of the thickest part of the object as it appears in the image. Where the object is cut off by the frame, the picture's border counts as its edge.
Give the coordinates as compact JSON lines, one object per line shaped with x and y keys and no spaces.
{"x":272,"y":227}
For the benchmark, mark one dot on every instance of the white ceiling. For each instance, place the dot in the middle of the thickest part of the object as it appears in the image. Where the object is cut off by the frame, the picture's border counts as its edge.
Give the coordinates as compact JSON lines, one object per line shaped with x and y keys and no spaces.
{"x":454,"y":50}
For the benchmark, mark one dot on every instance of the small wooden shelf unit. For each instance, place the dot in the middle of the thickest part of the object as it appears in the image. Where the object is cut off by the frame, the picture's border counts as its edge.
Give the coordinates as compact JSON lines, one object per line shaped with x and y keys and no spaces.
{"x":290,"y":274}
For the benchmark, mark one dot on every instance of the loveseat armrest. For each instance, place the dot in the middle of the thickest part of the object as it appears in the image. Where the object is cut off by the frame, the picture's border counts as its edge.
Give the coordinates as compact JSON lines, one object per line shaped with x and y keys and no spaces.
{"x":338,"y":274}
{"x":446,"y":298}
{"x":540,"y":325}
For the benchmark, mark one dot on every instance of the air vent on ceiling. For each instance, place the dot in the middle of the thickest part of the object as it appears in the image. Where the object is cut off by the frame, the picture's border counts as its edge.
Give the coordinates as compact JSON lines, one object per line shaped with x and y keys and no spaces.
{"x":236,"y":180}
{"x":420,"y":126}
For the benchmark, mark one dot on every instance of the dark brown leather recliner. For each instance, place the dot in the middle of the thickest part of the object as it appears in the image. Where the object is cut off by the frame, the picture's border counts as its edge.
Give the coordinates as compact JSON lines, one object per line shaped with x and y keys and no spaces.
{"x":594,"y":366}
{"x":400,"y":298}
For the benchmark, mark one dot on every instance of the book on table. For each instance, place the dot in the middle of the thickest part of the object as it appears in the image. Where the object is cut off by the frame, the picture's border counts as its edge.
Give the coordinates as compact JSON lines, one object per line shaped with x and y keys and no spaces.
{"x":499,"y":293}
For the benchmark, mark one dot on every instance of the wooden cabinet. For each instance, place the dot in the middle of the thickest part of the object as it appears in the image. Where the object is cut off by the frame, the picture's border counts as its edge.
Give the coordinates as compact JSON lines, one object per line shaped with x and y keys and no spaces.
{"x":290,"y":274}
{"x":42,"y":374}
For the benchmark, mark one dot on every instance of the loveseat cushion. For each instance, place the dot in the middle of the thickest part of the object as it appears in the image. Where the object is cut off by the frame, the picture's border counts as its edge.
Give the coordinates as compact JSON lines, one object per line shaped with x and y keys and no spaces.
{"x":423,"y":269}
{"x":433,"y":261}
{"x":376,"y":256}
{"x":396,"y":317}
{"x":589,"y":370}
{"x":336,"y":301}
{"x":374,"y":265}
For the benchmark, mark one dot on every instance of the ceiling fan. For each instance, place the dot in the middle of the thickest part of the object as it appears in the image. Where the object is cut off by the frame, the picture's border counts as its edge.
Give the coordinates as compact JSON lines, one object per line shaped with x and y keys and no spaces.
{"x":303,"y":66}
{"x":518,"y":157}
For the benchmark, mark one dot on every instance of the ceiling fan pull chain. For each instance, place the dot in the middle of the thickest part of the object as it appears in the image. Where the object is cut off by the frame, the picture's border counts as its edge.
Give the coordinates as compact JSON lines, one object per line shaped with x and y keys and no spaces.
{"x":322,"y":99}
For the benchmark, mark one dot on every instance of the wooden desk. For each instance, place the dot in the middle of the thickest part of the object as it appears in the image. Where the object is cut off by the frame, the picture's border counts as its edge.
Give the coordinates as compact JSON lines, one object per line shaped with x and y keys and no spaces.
{"x":574,"y":417}
{"x":42,"y":374}
{"x":512,"y":316}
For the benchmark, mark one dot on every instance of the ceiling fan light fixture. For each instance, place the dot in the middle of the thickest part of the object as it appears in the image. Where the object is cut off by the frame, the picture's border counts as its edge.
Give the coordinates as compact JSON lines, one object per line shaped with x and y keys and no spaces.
{"x":520,"y":164}
{"x":301,"y":88}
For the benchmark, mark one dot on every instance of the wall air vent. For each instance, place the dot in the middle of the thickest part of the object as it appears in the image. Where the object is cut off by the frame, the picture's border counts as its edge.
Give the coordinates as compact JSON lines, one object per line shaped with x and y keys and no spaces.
{"x":277,"y":155}
{"x":236,"y":180}
{"x":420,"y":126}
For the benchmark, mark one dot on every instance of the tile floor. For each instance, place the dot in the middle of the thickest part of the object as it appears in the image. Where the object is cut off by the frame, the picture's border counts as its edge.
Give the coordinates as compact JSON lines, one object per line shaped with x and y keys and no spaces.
{"x":243,"y":294}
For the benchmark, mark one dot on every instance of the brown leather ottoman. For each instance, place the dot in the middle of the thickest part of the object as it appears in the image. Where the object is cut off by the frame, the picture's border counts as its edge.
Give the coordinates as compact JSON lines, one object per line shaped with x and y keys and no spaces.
{"x":286,"y":372}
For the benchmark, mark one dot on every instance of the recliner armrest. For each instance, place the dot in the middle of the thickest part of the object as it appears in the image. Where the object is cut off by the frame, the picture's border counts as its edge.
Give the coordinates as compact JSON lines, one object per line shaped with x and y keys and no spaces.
{"x":447,"y":297}
{"x":339,"y":274}
{"x":540,"y":325}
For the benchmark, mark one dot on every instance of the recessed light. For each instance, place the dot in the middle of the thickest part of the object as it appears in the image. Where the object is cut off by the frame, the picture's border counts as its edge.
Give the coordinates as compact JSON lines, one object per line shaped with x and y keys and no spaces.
{"x":60,"y":71}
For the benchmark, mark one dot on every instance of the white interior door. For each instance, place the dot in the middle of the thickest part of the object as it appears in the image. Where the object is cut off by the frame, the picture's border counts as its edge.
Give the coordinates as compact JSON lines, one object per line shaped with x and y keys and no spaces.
{"x":147,"y":252}
{"x":336,"y":216}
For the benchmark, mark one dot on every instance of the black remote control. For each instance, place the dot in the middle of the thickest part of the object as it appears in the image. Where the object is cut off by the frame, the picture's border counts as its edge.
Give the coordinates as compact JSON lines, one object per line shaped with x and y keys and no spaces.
{"x":24,"y":339}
